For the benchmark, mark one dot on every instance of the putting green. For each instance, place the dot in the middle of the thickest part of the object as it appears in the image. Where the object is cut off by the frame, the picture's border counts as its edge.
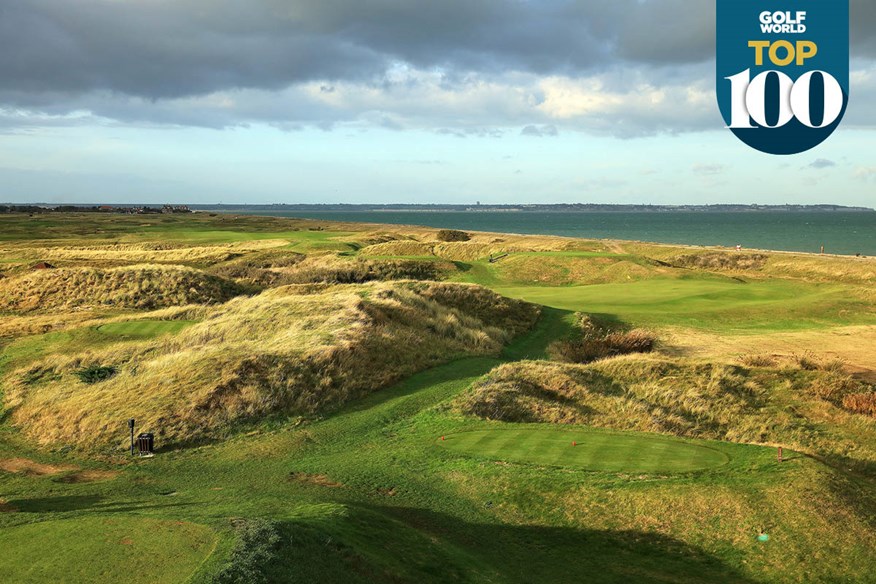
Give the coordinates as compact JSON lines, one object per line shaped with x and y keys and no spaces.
{"x":103,"y":549}
{"x":143,"y":329}
{"x":602,"y":451}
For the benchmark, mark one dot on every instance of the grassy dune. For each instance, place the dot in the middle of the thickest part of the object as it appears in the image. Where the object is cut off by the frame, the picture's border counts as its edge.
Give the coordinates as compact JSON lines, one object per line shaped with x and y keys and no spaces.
{"x":713,"y":401}
{"x":292,"y":350}
{"x":138,"y":287}
{"x":299,"y":376}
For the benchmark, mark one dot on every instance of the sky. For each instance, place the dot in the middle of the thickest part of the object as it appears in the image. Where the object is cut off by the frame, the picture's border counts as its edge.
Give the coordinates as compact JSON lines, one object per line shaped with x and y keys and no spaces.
{"x":391,"y":101}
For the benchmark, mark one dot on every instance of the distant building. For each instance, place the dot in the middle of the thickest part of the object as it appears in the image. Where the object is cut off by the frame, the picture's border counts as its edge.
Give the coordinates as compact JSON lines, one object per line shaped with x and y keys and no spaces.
{"x":175,"y":209}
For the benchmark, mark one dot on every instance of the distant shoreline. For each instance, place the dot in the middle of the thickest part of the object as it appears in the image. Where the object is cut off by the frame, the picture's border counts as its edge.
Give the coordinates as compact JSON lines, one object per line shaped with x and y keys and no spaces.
{"x":551,"y":208}
{"x":439,"y":208}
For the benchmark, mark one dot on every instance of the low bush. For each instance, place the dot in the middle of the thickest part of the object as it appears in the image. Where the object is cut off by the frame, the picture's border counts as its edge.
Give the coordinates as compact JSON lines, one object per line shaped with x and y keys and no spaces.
{"x":596,"y":341}
{"x":448,"y":235}
{"x":95,"y":373}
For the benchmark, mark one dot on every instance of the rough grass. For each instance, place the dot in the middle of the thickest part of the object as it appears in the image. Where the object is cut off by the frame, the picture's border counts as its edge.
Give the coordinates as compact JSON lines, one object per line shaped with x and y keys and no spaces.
{"x":713,"y":401}
{"x":594,"y":340}
{"x":292,"y":350}
{"x":720,"y":261}
{"x":140,"y":253}
{"x":138,"y":287}
{"x":861,"y":403}
{"x":272,"y":269}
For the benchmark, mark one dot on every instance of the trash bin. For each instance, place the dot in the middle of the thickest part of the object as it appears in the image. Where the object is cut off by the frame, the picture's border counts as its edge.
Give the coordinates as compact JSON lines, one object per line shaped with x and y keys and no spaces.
{"x":146,"y":444}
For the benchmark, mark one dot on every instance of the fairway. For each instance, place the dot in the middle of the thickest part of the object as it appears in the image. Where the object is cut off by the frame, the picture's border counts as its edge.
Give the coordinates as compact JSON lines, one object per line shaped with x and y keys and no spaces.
{"x":143,"y":329}
{"x":598,"y":451}
{"x":704,"y":302}
{"x":103,"y":549}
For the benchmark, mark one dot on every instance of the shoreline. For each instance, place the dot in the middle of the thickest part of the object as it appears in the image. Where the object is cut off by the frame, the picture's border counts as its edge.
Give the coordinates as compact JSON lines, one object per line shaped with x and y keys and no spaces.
{"x":568,"y":237}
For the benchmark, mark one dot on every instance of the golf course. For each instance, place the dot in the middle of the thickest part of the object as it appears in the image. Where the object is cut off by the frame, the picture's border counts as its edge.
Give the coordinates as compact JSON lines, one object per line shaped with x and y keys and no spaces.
{"x":343,"y":402}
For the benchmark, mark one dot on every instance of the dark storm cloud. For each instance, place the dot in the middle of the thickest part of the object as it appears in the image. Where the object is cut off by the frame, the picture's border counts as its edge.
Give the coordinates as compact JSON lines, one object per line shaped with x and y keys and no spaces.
{"x":163,"y":48}
{"x":120,"y":58}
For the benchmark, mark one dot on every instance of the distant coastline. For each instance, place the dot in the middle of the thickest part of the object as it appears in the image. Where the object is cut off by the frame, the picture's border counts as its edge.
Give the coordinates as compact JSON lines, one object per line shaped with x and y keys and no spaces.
{"x":429,"y":208}
{"x":549,"y":208}
{"x":833,"y":229}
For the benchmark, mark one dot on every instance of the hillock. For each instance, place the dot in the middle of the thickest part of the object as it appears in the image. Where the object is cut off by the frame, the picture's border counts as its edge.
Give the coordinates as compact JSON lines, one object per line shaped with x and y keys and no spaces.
{"x":134,"y":287}
{"x":296,"y":350}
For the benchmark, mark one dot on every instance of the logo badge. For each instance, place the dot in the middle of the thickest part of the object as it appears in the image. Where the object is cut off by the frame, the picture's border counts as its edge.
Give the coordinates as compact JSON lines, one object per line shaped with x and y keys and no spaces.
{"x":783,"y":71}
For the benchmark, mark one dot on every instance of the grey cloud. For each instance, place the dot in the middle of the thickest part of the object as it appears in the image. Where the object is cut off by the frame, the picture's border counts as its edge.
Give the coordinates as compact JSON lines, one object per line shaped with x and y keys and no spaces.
{"x":159,"y":50}
{"x":539,"y":131}
{"x":146,"y":62}
{"x":821,"y":163}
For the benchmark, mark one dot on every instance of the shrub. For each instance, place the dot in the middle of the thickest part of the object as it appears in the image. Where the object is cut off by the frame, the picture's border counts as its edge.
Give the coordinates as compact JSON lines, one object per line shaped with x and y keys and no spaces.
{"x":256,"y":548}
{"x":861,"y":403}
{"x":95,"y":373}
{"x":449,"y":235}
{"x":597,"y":341}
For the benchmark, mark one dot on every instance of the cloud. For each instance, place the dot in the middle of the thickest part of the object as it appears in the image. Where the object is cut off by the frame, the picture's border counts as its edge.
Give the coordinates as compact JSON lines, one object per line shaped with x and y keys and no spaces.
{"x":627,"y":68}
{"x":865,"y":173}
{"x":539,"y":131}
{"x":708,"y":169}
{"x":821,"y":163}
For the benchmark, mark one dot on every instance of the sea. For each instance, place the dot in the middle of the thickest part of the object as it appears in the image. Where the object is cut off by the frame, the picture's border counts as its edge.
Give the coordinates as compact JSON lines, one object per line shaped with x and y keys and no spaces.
{"x":840,"y":232}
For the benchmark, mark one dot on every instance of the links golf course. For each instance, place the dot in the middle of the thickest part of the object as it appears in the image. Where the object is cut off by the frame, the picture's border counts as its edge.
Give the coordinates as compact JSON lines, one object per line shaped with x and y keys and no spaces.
{"x":336,"y":402}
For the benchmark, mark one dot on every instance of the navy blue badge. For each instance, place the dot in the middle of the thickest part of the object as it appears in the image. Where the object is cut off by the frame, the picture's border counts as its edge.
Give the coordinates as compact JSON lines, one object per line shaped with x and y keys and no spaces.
{"x":783,"y":71}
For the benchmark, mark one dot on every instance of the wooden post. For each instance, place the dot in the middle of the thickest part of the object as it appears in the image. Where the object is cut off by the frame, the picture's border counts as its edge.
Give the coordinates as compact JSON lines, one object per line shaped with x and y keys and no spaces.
{"x":780,"y":454}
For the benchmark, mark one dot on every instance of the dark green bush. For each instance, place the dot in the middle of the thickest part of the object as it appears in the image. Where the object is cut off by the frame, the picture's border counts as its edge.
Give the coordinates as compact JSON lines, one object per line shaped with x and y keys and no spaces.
{"x":95,"y":373}
{"x":452,"y":235}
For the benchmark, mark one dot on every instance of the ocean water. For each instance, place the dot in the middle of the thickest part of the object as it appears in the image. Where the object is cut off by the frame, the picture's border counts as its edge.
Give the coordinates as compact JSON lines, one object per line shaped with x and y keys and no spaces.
{"x":840,"y":232}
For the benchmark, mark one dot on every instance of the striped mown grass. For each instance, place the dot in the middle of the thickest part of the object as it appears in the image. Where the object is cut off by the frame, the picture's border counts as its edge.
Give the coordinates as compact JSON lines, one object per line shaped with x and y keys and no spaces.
{"x":584,"y":448}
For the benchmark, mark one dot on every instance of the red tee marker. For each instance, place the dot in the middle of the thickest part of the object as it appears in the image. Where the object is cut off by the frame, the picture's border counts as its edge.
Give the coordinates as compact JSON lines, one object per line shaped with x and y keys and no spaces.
{"x":574,"y":443}
{"x":442,"y":438}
